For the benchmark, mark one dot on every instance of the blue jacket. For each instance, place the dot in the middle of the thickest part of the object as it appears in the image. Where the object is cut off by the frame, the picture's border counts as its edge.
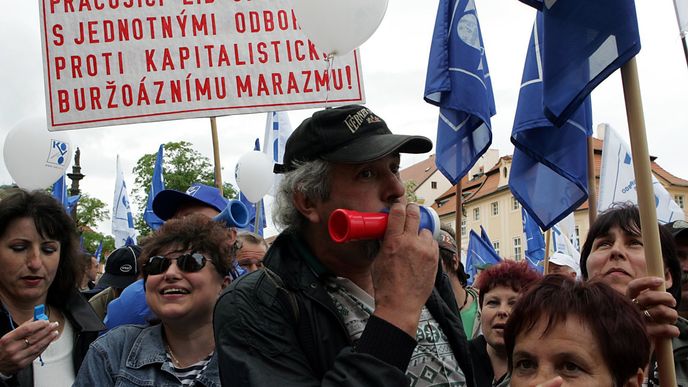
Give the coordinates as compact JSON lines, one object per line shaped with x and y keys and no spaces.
{"x":134,"y":355}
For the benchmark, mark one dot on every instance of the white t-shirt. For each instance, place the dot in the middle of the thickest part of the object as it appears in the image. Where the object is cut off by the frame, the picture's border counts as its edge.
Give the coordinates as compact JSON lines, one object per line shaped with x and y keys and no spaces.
{"x":57,"y":369}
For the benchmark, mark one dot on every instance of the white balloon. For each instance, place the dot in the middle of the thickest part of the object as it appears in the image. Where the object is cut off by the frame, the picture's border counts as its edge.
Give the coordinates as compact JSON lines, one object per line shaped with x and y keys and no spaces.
{"x":35,"y":157}
{"x":337,"y":27}
{"x":254,"y":175}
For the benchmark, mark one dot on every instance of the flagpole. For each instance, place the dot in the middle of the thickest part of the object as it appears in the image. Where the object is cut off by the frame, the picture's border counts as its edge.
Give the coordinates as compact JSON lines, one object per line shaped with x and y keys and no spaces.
{"x":685,"y":47}
{"x":216,"y":154}
{"x":458,"y":217}
{"x":548,"y":237}
{"x":592,"y":192}
{"x":648,"y":214}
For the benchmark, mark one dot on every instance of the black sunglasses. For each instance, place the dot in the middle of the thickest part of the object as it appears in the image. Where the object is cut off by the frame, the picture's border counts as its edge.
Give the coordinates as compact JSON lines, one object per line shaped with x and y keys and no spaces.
{"x":188,"y":263}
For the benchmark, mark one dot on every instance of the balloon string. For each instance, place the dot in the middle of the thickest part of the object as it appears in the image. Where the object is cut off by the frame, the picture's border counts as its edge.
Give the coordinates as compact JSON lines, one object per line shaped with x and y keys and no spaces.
{"x":330,"y":63}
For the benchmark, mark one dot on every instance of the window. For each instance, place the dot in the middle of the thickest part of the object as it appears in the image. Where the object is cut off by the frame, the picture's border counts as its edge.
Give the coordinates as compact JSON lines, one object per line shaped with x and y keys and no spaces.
{"x":476,"y":213}
{"x":495,"y":208}
{"x":495,"y":244}
{"x":576,"y":241}
{"x":679,"y":200}
{"x":517,"y":248}
{"x":515,"y":205}
{"x":506,"y":172}
{"x":463,"y":227}
{"x":433,"y":184}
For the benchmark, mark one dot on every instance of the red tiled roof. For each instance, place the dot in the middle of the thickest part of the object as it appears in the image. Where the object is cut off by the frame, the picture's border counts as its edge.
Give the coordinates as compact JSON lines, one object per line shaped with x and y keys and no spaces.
{"x":487,"y":184}
{"x":419,"y":172}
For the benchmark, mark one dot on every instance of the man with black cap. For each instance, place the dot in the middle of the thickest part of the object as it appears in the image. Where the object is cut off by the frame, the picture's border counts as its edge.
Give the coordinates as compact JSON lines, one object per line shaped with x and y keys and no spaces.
{"x":363,"y":313}
{"x":121,"y":271}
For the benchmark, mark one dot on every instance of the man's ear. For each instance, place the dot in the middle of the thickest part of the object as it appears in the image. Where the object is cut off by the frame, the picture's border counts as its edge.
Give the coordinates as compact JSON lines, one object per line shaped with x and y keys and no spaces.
{"x":226,"y":281}
{"x":306,"y":207}
{"x":636,"y":380}
{"x":668,"y":280}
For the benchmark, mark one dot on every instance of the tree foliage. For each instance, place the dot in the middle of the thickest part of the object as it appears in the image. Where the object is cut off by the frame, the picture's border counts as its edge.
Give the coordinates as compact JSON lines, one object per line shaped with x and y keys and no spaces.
{"x":90,"y":211}
{"x":409,"y":188}
{"x":182,"y":166}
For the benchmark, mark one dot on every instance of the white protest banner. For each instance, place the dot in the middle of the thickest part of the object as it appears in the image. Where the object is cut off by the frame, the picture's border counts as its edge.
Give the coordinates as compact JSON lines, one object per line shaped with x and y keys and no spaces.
{"x":110,"y":62}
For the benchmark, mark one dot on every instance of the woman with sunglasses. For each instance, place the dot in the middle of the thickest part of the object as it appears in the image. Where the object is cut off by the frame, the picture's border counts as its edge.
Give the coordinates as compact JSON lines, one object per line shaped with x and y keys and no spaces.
{"x":186,"y":265}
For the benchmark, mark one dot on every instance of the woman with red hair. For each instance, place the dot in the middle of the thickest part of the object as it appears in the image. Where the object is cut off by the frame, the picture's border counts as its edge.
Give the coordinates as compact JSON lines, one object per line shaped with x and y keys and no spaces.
{"x":500,"y":287}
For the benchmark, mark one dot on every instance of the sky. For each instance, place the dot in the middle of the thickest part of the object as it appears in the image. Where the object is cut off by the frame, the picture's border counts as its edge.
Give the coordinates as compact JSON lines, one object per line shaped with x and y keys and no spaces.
{"x":394,"y":62}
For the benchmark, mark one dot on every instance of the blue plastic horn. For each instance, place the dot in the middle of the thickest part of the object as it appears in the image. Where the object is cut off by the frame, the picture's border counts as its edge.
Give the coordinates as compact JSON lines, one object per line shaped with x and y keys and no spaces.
{"x":234,"y":215}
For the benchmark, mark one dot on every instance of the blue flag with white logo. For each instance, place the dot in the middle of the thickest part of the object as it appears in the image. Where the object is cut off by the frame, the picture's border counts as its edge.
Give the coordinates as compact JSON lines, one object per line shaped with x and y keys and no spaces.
{"x":549,"y":168}
{"x":252,"y":207}
{"x":157,"y":185}
{"x":458,"y":81}
{"x":479,"y":254}
{"x":535,"y":242}
{"x":584,"y":41}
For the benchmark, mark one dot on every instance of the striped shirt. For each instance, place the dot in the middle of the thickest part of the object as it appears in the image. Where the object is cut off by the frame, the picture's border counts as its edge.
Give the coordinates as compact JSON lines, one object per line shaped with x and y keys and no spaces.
{"x":188,"y":375}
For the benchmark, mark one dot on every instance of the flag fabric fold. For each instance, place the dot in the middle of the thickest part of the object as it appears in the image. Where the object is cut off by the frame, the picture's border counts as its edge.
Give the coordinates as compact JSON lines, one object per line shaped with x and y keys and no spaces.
{"x":549,"y":168}
{"x":584,"y":41}
{"x":617,"y":180}
{"x":122,"y":219}
{"x":99,"y":251}
{"x":157,"y":185}
{"x":59,"y":192}
{"x":458,"y":81}
{"x":486,"y":238}
{"x":535,"y":242}
{"x":479,"y":254}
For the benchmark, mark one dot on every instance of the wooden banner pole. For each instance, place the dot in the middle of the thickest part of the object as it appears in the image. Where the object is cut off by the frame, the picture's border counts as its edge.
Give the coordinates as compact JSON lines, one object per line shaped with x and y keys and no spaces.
{"x":646,"y":204}
{"x":216,"y":154}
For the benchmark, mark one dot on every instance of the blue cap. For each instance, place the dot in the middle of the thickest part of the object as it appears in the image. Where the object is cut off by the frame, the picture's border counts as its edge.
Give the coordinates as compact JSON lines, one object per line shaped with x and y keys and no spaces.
{"x":166,"y":203}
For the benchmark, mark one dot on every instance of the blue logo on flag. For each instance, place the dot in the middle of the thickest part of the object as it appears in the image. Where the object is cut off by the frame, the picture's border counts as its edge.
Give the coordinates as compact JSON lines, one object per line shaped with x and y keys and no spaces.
{"x":58,"y":150}
{"x":627,"y":159}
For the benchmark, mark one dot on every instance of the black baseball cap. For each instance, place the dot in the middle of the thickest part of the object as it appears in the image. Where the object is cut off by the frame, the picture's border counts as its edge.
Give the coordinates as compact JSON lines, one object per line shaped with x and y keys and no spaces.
{"x":677,"y":227}
{"x":349,"y":134}
{"x":120,"y":268}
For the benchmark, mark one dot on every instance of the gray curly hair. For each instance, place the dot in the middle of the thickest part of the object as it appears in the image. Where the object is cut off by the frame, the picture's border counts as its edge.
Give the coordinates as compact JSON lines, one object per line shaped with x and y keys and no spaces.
{"x":311,"y":178}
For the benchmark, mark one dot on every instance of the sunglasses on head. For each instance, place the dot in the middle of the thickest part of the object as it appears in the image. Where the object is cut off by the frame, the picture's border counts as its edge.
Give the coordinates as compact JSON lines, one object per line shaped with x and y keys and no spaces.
{"x":188,"y":263}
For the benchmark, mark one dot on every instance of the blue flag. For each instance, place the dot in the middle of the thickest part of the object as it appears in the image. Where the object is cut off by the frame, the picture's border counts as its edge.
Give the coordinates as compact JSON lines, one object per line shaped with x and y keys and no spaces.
{"x":535,"y":242}
{"x":99,"y":251}
{"x":458,"y":81}
{"x":59,"y":192}
{"x":549,"y":168}
{"x":483,"y":235}
{"x":252,"y":207}
{"x":584,"y":41}
{"x":479,"y":254}
{"x":157,"y":185}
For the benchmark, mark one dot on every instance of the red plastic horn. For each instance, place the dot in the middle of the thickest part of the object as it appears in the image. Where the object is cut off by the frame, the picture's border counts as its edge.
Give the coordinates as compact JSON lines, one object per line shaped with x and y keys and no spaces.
{"x":349,"y":225}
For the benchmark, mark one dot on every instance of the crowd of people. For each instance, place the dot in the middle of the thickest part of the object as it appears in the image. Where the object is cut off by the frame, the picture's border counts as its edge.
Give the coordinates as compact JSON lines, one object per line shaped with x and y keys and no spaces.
{"x":203,"y":304}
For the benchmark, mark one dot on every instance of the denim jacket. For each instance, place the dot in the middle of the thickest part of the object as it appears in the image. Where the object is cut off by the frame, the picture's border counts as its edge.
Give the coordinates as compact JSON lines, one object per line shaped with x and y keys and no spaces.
{"x":134,"y":355}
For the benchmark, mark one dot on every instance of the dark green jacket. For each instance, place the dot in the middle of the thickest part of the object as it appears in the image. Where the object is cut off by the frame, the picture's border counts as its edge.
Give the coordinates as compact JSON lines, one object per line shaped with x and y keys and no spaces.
{"x":263,"y":339}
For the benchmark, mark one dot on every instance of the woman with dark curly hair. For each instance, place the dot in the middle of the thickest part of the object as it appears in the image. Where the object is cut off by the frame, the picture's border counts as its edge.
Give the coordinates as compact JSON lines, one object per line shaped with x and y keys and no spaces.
{"x":185,"y":268}
{"x":39,"y":263}
{"x":500,"y":287}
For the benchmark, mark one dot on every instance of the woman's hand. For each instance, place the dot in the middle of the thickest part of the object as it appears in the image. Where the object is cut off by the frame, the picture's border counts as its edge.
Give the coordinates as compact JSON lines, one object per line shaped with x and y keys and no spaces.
{"x":658,"y":307}
{"x":19,"y":347}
